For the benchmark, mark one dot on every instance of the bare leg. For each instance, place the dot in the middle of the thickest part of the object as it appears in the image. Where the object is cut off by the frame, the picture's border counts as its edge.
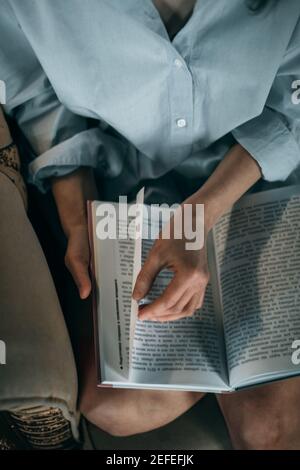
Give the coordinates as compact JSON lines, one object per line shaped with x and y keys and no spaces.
{"x":123,"y":412}
{"x":264,"y":418}
{"x":128,"y":412}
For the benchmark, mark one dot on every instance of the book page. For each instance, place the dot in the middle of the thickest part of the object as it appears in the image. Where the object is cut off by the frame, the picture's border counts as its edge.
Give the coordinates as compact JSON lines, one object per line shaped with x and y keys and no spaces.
{"x":137,"y":264}
{"x":258,"y":257}
{"x":186,"y":353}
{"x":114,"y":272}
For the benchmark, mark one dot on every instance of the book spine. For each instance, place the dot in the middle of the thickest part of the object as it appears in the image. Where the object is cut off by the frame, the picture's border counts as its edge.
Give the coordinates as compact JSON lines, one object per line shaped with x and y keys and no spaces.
{"x":94,"y":293}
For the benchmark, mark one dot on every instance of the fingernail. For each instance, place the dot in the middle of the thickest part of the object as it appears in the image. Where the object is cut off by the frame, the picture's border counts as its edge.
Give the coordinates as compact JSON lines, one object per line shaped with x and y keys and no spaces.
{"x":142,"y":318}
{"x":84,"y":293}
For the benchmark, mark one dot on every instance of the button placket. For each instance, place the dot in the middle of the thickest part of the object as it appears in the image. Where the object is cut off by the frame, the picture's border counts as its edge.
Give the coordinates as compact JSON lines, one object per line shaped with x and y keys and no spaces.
{"x":181,"y":123}
{"x":181,"y":107}
{"x":178,"y":63}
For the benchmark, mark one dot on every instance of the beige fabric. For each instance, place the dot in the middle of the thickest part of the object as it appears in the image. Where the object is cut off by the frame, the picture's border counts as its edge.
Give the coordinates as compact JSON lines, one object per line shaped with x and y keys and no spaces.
{"x":40,"y":368}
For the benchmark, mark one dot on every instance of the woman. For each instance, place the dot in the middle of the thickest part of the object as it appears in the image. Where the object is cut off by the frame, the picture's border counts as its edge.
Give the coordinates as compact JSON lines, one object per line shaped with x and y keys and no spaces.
{"x":196,"y":90}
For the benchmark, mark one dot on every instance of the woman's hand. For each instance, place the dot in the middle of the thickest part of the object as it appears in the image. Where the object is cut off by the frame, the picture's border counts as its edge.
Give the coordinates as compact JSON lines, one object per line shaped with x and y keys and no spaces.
{"x":185,"y":293}
{"x":71,"y":194}
{"x":77,"y":259}
{"x":237,"y":172}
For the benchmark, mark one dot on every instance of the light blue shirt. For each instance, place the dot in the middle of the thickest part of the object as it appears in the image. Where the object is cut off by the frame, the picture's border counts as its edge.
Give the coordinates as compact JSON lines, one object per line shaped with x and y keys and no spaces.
{"x":228,"y":75}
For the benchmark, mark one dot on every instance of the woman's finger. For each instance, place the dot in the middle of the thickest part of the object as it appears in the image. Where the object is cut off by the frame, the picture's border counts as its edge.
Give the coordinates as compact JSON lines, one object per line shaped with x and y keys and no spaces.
{"x":79,"y":269}
{"x":201,"y":298}
{"x":171,"y":295}
{"x":187,"y":312}
{"x":153,"y":310}
{"x":180,"y":306}
{"x":182,"y":283}
{"x":147,"y":275}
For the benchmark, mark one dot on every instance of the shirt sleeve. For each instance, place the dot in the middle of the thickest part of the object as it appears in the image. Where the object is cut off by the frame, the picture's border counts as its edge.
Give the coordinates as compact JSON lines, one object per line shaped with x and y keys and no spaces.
{"x":60,"y":141}
{"x":273,"y":138}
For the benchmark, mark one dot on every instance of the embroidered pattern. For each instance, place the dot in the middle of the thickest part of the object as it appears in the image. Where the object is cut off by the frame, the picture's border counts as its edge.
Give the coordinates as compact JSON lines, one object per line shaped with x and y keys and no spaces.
{"x":44,"y":428}
{"x":9,"y":157}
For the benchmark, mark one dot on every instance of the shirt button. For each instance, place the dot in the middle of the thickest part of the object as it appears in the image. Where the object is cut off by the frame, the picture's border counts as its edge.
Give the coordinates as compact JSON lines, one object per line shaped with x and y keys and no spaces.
{"x":178,"y":63}
{"x":181,"y":123}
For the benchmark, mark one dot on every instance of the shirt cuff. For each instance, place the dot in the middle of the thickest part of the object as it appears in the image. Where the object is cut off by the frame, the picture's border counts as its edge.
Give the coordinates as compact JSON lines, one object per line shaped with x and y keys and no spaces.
{"x":270,"y":142}
{"x":89,"y":148}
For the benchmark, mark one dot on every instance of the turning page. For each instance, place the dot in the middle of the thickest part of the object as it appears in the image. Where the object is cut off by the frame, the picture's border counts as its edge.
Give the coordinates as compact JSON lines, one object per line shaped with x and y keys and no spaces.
{"x":113,"y":273}
{"x":188,"y":353}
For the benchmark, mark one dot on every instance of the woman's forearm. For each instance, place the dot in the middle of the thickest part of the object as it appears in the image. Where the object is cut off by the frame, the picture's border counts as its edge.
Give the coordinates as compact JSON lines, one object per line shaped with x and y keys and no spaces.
{"x":237,"y":172}
{"x":185,"y":293}
{"x":71,"y":194}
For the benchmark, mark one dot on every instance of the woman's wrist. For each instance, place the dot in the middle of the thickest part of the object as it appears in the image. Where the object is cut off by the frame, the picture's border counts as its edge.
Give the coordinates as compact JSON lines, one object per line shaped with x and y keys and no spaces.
{"x":211,"y":210}
{"x":71,"y":194}
{"x":212,"y":207}
{"x":236,"y":173}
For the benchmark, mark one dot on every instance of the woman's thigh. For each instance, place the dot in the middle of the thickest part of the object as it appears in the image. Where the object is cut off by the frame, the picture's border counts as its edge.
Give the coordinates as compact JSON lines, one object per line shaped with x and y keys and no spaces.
{"x":265,"y":417}
{"x":122,"y":412}
{"x":40,"y":368}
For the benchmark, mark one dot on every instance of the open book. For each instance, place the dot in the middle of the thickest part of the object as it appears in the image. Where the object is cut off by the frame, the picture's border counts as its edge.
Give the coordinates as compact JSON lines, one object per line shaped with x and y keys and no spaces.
{"x":244,"y":332}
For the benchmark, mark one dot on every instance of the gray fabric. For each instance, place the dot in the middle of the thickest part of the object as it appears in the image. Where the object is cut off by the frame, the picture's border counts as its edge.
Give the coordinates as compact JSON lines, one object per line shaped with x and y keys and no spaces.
{"x":40,"y":368}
